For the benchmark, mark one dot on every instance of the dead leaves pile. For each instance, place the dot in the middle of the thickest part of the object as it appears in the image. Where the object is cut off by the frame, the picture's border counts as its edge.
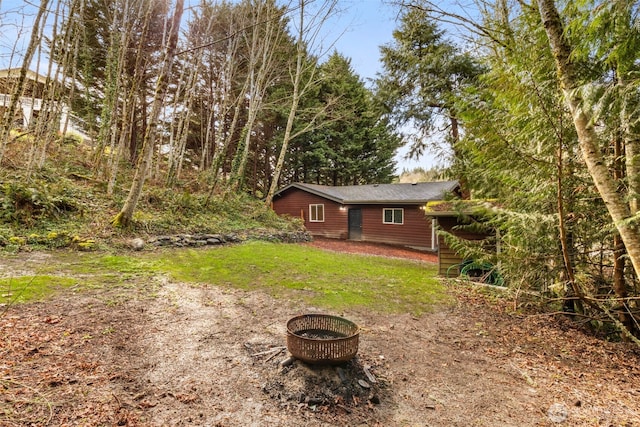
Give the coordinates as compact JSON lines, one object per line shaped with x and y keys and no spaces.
{"x":50,"y":375}
{"x":597,"y":382}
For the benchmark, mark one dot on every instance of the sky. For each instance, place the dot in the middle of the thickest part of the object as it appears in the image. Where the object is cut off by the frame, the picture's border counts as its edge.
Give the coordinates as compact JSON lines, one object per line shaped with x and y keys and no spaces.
{"x":362,"y":27}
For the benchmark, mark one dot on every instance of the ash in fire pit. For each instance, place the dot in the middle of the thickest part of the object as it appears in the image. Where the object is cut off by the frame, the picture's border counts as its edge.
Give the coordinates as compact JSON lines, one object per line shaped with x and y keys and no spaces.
{"x":355,"y":387}
{"x":319,"y":334}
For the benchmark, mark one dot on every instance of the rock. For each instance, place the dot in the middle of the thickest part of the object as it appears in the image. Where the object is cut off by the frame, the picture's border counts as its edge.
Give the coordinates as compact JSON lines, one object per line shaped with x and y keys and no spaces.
{"x":206,"y":239}
{"x":314,"y":401}
{"x":364,"y":384}
{"x":136,"y":244}
{"x":162,"y":241}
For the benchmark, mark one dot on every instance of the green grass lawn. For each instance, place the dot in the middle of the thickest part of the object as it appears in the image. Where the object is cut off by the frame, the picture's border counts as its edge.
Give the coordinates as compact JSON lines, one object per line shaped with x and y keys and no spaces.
{"x":28,"y":288}
{"x":289,"y":271}
{"x":322,"y":278}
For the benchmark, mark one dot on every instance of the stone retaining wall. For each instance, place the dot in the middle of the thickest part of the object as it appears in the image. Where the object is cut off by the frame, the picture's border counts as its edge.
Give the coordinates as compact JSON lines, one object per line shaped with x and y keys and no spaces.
{"x":196,"y":240}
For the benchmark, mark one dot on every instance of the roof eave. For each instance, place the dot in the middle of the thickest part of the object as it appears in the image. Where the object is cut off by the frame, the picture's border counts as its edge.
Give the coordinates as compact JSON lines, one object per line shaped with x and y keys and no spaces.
{"x":385,"y":202}
{"x":312,"y":191}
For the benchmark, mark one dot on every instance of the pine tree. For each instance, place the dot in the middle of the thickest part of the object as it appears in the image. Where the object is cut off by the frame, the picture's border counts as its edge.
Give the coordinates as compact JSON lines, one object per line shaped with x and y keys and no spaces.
{"x":422,"y":75}
{"x":356,"y":145}
{"x":547,"y":129}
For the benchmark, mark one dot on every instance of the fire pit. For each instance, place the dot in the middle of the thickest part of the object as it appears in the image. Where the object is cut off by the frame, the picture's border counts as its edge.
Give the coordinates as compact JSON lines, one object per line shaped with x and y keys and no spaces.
{"x":322,"y":339}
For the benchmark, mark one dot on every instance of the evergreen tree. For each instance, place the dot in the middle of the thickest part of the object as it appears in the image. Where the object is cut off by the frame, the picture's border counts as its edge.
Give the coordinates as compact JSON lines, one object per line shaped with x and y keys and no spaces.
{"x":548,"y":128}
{"x":611,"y":50}
{"x":519,"y":147}
{"x":115,"y":67}
{"x":584,"y":113}
{"x":303,"y":73}
{"x":357,"y":146}
{"x":90,"y":29}
{"x":422,"y":75}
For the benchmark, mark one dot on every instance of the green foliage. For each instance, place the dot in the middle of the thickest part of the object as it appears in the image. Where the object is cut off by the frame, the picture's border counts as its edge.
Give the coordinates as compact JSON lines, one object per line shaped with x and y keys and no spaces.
{"x":71,"y":139}
{"x":53,"y":211}
{"x":112,"y":51}
{"x":423,"y":75}
{"x":520,"y":147}
{"x":330,"y":280}
{"x":166,"y":211}
{"x":355,"y":144}
{"x":26,"y":202}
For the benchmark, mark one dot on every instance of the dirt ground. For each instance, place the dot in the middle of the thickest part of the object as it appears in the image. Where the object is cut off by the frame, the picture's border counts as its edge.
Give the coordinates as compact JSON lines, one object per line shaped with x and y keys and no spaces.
{"x":165,"y":353}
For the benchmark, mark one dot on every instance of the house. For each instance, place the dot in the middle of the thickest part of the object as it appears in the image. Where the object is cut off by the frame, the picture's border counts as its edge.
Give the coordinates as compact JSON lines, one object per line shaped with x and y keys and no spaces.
{"x":382,"y":213}
{"x":33,"y":101}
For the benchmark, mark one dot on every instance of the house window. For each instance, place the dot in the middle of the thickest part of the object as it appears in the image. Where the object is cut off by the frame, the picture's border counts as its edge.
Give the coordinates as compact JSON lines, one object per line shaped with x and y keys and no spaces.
{"x":393,"y":216}
{"x":316,"y":213}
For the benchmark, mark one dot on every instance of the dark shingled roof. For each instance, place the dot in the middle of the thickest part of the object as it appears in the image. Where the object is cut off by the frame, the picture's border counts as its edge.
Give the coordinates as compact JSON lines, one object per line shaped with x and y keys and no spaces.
{"x":418,"y":193}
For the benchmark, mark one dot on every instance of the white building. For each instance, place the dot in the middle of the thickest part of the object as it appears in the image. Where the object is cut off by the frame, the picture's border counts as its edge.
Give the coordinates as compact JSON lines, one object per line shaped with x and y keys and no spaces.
{"x":31,"y":104}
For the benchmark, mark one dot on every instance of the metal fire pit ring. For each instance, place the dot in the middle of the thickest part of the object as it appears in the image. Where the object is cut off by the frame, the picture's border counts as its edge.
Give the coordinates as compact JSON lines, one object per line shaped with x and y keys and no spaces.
{"x":322,"y":339}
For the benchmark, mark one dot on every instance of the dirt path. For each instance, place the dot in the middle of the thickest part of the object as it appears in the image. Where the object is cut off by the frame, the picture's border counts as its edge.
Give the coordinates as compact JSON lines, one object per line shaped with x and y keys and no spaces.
{"x":201,"y":356}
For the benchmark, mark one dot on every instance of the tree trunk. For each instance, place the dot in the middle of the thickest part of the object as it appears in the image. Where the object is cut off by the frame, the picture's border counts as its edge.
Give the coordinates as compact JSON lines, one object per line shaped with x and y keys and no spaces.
{"x":108,"y":131}
{"x":295,"y":99}
{"x":587,"y":137}
{"x":619,"y":251}
{"x":632,"y":156}
{"x":48,"y":124}
{"x":565,"y":240}
{"x":220,"y":155}
{"x":124,"y":133}
{"x":262,"y":44}
{"x":125,"y":216}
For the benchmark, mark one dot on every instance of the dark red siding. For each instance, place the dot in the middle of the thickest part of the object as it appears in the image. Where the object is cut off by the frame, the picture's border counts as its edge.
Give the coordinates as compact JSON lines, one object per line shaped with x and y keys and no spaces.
{"x":415,"y":231}
{"x":296,"y":203}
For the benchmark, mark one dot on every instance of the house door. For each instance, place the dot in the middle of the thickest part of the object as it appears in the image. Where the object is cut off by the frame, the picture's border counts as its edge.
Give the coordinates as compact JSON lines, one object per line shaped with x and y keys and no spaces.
{"x":355,"y":224}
